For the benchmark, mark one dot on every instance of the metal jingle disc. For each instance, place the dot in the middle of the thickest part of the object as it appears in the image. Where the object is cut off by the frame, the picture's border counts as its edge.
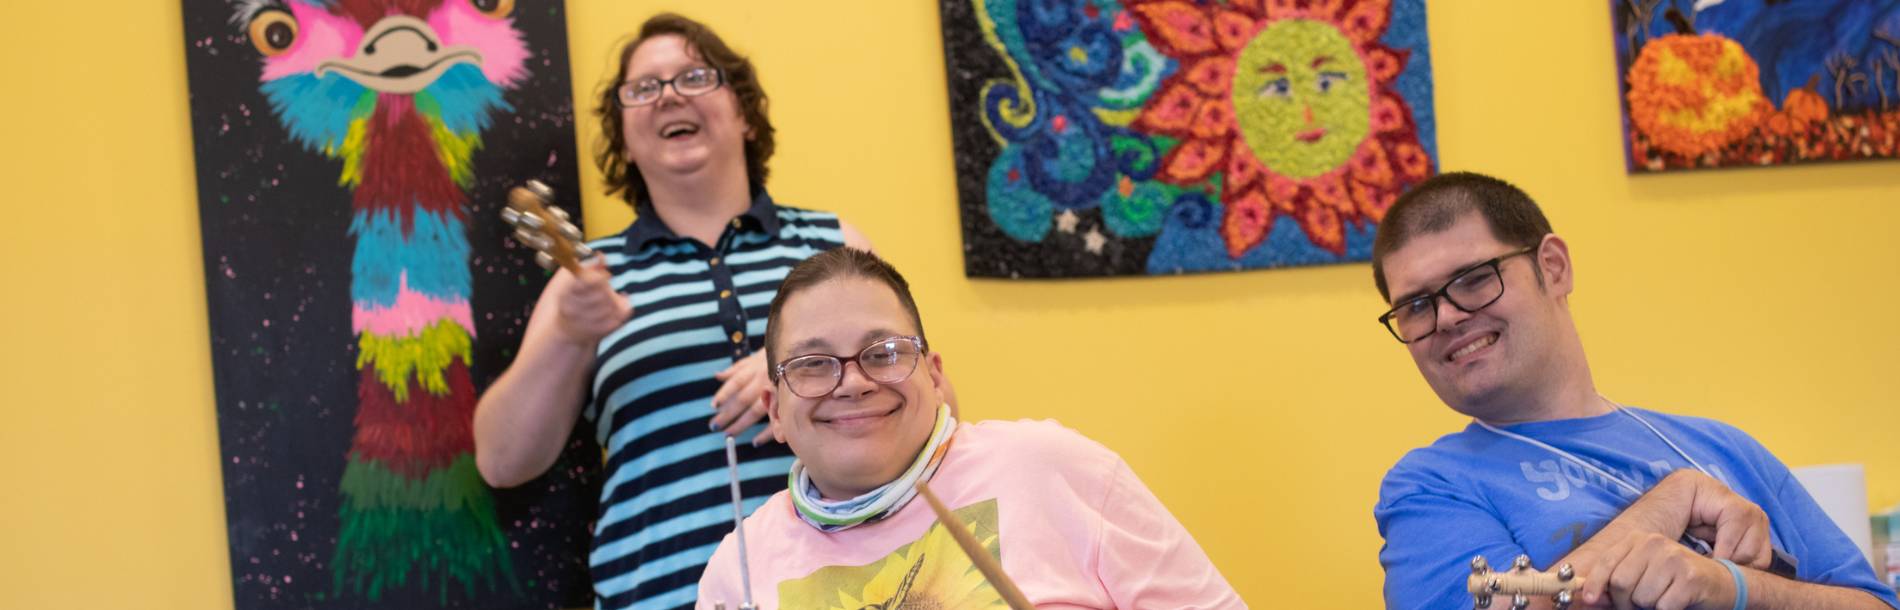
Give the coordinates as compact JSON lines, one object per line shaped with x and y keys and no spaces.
{"x":540,"y":189}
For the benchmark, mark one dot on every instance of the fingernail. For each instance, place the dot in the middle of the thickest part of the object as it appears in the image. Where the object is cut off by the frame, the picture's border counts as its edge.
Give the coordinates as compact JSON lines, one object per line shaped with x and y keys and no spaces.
{"x":758,"y":442}
{"x":712,"y":425}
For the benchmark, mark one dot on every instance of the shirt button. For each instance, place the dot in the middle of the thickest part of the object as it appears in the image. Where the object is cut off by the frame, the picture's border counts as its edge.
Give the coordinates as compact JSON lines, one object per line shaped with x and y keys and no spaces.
{"x":737,"y":336}
{"x":735,"y":223}
{"x":725,"y":294}
{"x":714,"y":262}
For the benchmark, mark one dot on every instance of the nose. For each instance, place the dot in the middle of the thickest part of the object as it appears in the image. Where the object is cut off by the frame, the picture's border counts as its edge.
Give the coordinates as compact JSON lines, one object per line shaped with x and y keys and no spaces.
{"x":1309,"y":114}
{"x":1449,"y":315}
{"x":853,"y":385}
{"x":666,"y":99}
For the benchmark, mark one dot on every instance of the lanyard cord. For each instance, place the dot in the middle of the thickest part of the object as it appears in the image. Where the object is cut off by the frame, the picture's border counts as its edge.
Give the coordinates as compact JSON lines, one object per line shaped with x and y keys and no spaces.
{"x":1698,"y":544}
{"x":1631,"y":487}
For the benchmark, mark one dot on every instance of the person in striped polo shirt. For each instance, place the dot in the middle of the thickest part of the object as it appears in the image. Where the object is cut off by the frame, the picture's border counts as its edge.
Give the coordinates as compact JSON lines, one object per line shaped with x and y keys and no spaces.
{"x":658,"y":342}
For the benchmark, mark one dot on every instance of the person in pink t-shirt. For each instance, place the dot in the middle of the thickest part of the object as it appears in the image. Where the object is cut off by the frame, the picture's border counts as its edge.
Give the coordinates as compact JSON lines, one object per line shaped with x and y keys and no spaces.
{"x":858,"y":396}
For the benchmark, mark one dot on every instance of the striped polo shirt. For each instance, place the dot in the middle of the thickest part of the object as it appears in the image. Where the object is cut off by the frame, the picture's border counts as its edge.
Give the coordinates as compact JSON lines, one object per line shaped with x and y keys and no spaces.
{"x":696,"y":309}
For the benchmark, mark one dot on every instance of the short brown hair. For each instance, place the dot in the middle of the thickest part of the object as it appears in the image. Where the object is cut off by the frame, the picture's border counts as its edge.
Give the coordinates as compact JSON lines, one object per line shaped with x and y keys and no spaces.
{"x":1433,"y":205}
{"x":610,"y":151}
{"x":844,"y":262}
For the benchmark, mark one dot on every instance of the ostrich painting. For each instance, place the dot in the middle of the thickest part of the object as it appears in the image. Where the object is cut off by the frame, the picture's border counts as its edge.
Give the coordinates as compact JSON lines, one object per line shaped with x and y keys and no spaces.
{"x":400,"y":92}
{"x":347,"y":193}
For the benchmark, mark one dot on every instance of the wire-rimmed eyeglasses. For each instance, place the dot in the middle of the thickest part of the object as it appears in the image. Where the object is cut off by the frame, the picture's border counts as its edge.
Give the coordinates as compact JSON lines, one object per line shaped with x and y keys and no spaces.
{"x":887,"y":360}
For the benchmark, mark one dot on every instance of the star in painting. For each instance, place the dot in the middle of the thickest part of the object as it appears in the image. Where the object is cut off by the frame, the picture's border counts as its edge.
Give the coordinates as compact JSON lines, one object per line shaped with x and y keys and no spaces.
{"x":1094,"y":241}
{"x":1065,"y":222}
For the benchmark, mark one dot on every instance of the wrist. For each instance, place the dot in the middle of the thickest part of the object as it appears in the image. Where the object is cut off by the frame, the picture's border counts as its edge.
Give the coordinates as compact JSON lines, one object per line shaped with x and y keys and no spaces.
{"x":1736,"y":587}
{"x":572,"y":338}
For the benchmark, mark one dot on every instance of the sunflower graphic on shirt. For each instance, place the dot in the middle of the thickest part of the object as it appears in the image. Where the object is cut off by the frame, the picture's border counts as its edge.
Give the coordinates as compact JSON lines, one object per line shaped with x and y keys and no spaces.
{"x":930,"y":573}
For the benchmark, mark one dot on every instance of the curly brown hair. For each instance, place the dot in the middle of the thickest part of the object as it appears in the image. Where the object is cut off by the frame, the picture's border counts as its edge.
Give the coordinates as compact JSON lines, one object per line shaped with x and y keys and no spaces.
{"x":620,"y":174}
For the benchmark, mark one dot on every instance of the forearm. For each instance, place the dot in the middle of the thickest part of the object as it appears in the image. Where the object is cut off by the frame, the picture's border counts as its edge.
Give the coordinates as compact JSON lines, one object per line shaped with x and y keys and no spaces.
{"x":524,"y":418}
{"x":1769,"y":592}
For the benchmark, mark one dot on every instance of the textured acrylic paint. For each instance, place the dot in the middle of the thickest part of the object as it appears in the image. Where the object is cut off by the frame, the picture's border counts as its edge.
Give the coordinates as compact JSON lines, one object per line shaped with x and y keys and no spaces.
{"x":1106,"y":137}
{"x":351,"y":157}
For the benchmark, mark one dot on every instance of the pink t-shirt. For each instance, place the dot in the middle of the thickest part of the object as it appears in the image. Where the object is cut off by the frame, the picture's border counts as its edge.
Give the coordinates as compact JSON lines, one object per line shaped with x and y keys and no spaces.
{"x":1073,"y":526}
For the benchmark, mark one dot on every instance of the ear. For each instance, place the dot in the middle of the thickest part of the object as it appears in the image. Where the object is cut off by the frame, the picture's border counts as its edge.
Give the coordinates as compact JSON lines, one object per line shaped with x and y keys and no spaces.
{"x":933,"y":364}
{"x":945,"y":389}
{"x":1553,"y":257}
{"x":770,"y":398}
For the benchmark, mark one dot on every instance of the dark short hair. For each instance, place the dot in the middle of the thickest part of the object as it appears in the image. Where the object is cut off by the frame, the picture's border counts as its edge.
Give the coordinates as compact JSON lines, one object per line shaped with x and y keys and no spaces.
{"x":844,"y":262}
{"x":610,"y":151}
{"x":1438,"y":202}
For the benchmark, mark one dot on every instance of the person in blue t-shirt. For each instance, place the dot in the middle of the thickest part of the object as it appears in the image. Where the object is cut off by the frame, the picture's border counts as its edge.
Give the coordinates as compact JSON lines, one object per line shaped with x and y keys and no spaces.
{"x":1651,"y":510}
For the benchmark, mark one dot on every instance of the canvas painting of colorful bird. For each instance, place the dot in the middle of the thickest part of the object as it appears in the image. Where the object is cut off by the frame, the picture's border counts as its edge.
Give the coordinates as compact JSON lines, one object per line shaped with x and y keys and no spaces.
{"x":352,"y":156}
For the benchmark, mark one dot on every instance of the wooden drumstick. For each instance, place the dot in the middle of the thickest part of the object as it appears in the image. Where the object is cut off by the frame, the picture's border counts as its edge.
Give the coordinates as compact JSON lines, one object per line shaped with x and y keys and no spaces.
{"x":980,"y":556}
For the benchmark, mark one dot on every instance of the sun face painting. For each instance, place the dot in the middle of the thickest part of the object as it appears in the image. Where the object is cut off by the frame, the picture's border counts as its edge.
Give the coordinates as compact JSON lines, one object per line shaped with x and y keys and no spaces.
{"x":1167,"y":136}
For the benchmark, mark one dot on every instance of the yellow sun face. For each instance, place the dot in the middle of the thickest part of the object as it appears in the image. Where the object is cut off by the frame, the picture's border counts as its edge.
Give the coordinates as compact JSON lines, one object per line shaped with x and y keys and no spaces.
{"x":1290,"y":106}
{"x":1300,"y":96}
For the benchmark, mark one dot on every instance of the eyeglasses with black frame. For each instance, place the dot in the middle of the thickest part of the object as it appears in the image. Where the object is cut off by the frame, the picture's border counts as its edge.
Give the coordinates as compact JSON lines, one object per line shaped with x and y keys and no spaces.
{"x":1475,"y":288}
{"x":691,"y":83}
{"x":887,"y":360}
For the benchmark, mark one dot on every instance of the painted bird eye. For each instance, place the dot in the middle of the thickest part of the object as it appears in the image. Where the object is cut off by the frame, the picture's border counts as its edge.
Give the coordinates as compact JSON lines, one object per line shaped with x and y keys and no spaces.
{"x":273,"y":31}
{"x":494,"y":8}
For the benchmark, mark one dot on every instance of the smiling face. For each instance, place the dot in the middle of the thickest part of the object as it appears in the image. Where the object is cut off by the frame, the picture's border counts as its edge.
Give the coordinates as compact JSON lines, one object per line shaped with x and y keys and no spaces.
{"x":862,"y":434}
{"x":1493,"y":363}
{"x":679,"y":135}
{"x":1301,"y":95}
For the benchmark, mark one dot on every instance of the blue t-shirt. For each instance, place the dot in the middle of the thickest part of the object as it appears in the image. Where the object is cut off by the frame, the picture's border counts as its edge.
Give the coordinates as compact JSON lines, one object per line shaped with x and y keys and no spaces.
{"x":1477,"y":492}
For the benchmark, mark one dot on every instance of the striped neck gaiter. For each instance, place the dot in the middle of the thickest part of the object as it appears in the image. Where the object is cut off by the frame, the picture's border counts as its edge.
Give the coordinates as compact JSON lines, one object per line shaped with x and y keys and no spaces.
{"x":829,"y":516}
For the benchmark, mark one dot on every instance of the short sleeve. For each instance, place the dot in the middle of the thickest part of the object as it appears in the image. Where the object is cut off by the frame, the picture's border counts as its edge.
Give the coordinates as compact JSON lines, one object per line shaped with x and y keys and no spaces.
{"x":1147,"y":559}
{"x":719,"y":583}
{"x":1431,"y":534}
{"x":1823,"y":553}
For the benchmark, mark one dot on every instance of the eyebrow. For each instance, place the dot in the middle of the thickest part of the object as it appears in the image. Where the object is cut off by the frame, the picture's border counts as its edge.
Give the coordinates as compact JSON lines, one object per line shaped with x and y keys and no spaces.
{"x":817,"y":345}
{"x":1274,"y":68}
{"x":1446,"y":279}
{"x":1317,"y":61}
{"x":646,"y":76}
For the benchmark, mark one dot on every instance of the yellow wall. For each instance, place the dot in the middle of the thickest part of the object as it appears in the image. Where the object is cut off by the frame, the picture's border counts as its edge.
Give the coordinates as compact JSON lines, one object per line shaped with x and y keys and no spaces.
{"x":1262,"y":407}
